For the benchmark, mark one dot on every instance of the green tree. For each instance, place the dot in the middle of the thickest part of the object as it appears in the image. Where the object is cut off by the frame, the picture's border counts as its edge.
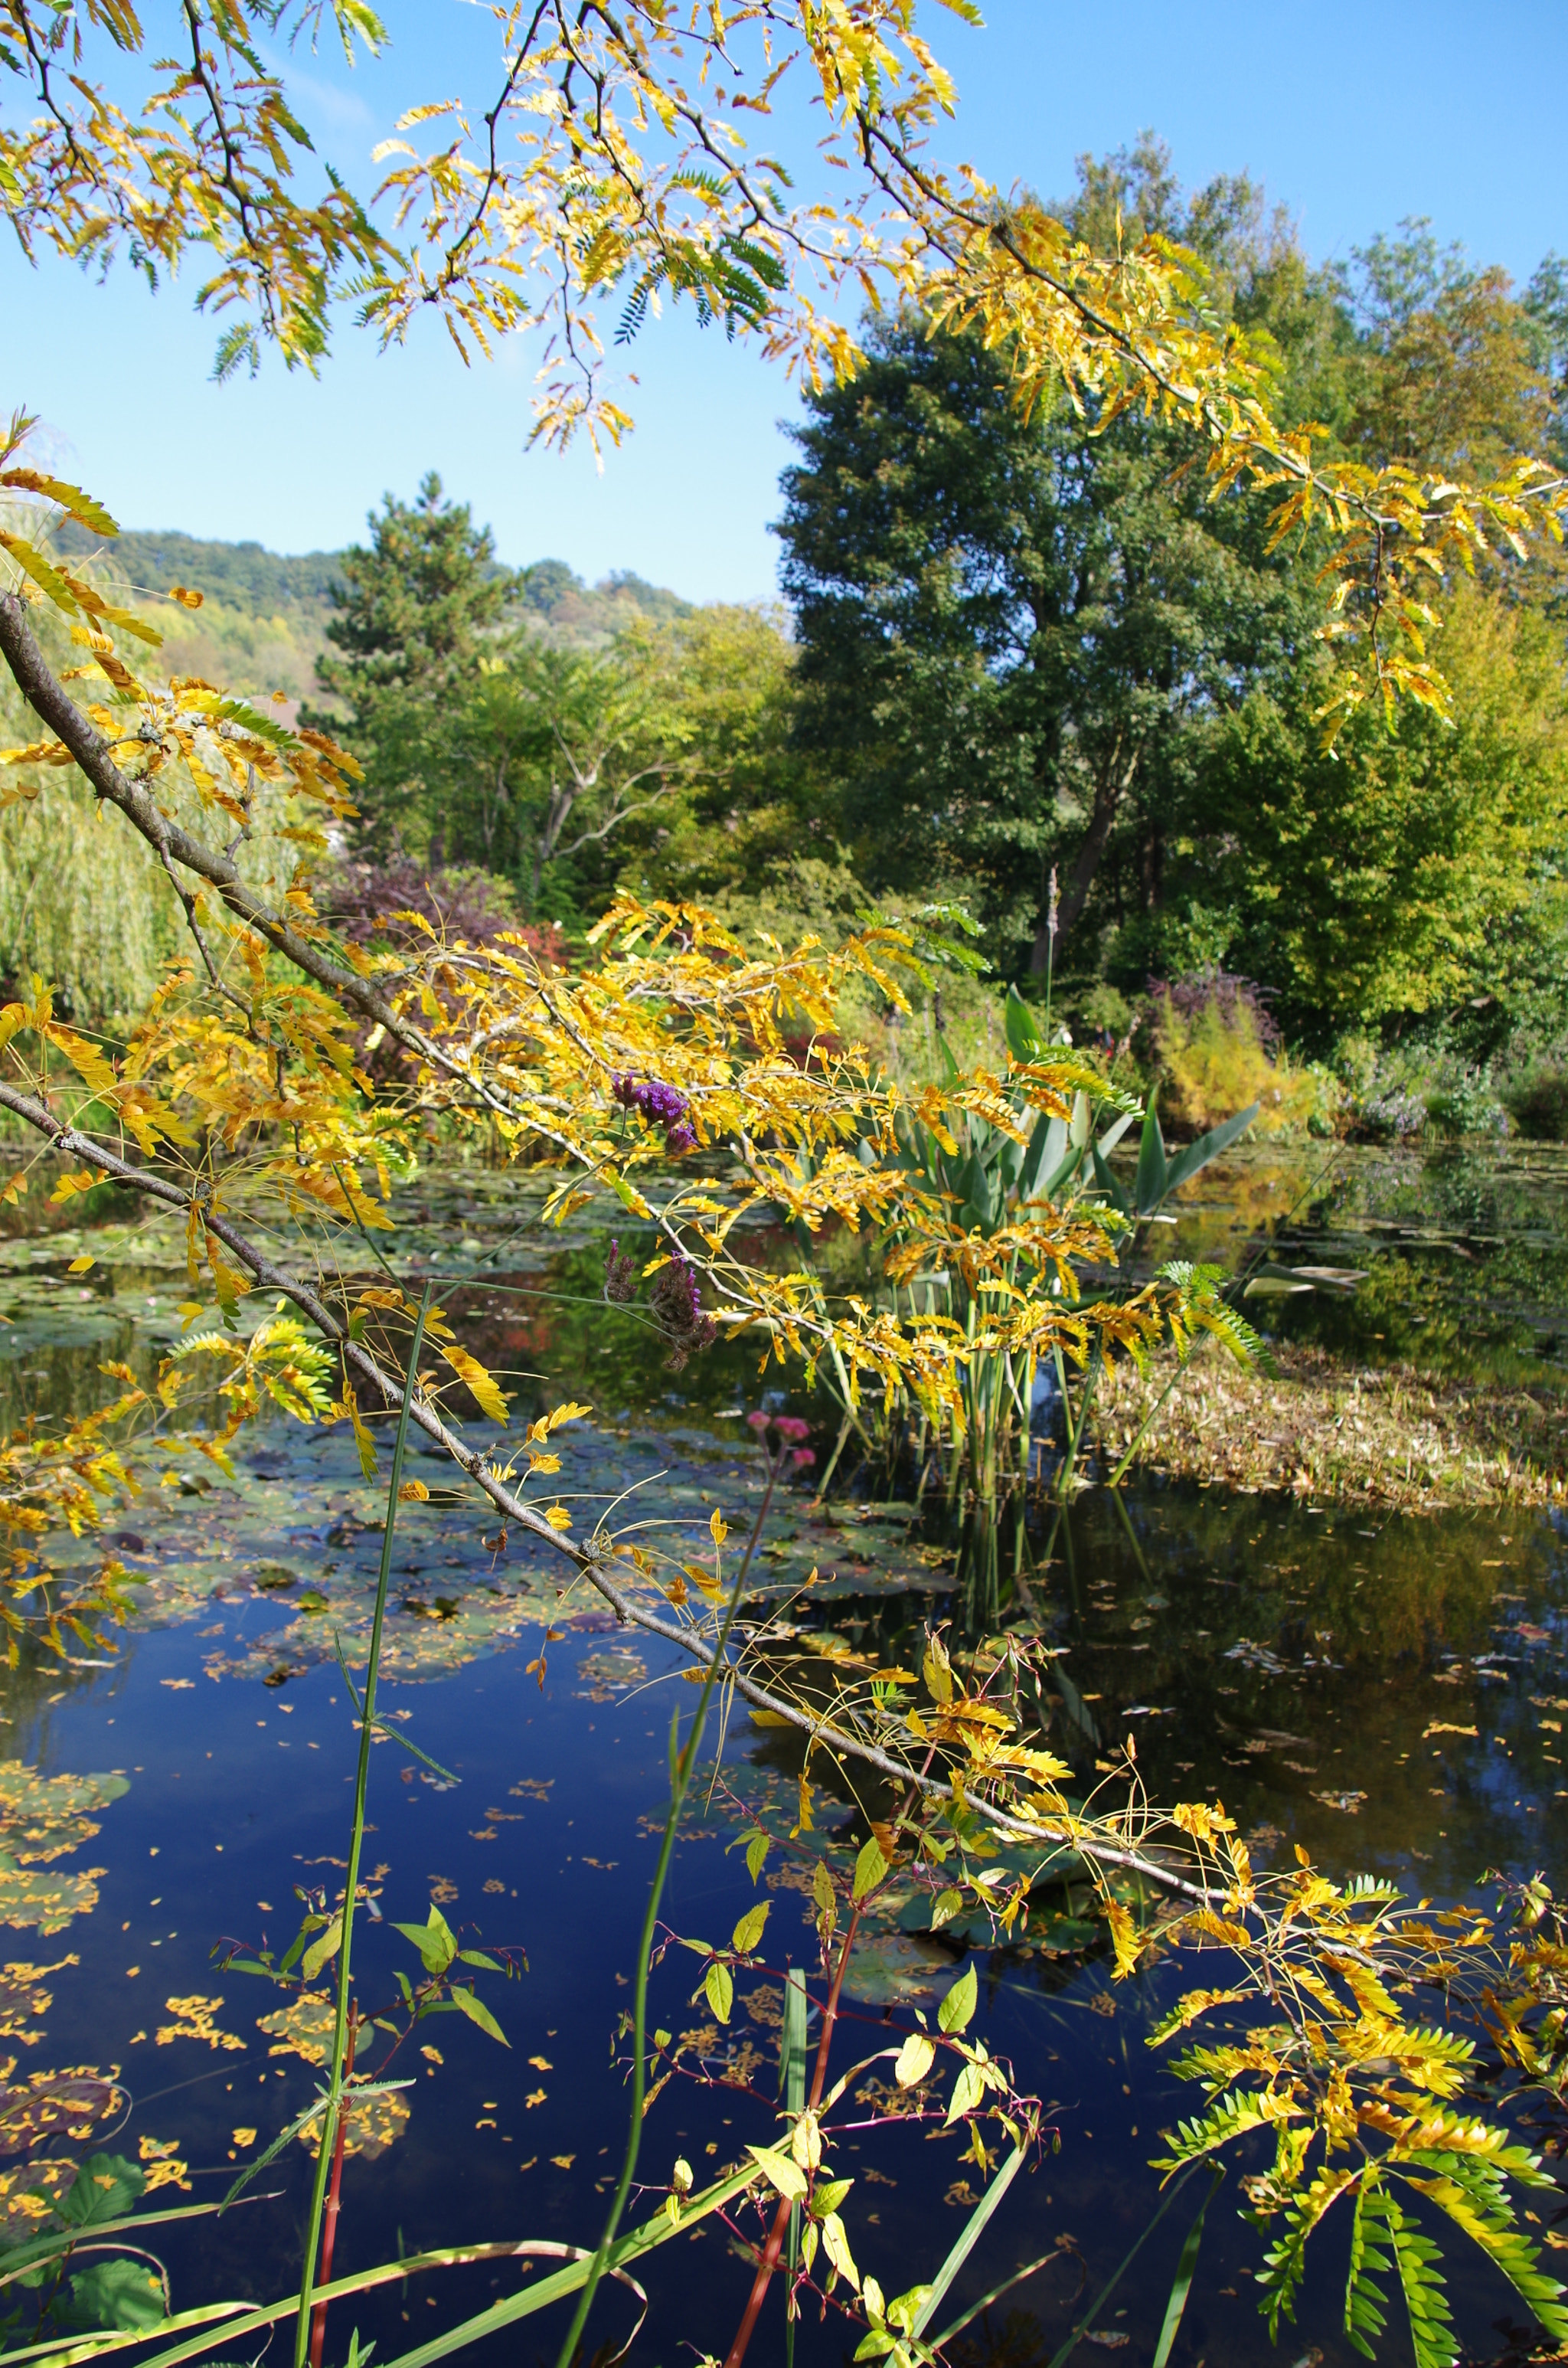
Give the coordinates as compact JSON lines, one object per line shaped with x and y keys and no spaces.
{"x":1408,"y":872}
{"x":414,"y":612}
{"x":1449,"y":358}
{"x":750,"y":800}
{"x":560,"y":750}
{"x":1009,"y":629}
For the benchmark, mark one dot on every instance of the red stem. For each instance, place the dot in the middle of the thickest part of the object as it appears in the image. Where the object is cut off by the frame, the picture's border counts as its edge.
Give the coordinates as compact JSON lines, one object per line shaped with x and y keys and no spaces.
{"x":780,"y":2227}
{"x":329,"y":2218}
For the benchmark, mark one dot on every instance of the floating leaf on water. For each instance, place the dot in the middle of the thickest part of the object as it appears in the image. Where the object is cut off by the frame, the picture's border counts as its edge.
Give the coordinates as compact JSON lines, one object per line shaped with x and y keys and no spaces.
{"x":610,"y":1671}
{"x":22,"y":1998}
{"x":196,"y":2022}
{"x":51,"y":2104}
{"x":304,"y":2027}
{"x":32,"y":1899}
{"x":373,"y":2124}
{"x":45,"y":1817}
{"x":30,"y":2195}
{"x":121,"y":2293}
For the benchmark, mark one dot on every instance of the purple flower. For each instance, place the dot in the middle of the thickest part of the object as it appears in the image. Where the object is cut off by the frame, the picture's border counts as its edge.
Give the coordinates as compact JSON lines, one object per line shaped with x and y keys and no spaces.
{"x":620,"y":1275}
{"x":676,"y":1302}
{"x":660,"y":1105}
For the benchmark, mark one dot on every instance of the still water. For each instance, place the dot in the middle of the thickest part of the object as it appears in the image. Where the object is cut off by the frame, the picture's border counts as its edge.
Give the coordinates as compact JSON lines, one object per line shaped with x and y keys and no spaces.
{"x":1316,"y":1670}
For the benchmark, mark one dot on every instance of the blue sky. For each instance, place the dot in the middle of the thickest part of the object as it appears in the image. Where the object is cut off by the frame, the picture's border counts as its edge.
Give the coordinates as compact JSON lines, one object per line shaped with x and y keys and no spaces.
{"x":1354,"y":112}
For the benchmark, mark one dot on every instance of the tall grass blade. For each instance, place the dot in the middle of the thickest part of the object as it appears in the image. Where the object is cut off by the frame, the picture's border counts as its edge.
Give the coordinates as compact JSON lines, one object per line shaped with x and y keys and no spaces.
{"x":1186,"y":2268}
{"x":1064,"y":2352}
{"x":970,"y":2235}
{"x":356,"y":1845}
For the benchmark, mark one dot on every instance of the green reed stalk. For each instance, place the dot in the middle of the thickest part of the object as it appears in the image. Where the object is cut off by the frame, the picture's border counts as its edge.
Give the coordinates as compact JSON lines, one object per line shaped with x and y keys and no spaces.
{"x":351,"y":1880}
{"x":682,"y":1765}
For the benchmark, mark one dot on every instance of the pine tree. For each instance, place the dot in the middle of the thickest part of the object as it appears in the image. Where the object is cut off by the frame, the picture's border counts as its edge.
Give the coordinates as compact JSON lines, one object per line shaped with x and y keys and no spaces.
{"x":414,"y":612}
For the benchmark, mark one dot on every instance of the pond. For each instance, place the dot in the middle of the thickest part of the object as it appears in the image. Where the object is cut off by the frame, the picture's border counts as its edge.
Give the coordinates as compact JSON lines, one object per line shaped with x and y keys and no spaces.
{"x":1388,"y":1693}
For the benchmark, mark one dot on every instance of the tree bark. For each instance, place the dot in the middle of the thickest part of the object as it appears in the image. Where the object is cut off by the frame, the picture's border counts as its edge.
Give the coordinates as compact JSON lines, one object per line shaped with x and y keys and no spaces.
{"x":1113,"y":786}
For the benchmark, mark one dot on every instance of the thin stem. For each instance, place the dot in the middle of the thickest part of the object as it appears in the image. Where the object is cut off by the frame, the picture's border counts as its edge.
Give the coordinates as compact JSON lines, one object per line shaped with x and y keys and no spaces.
{"x":329,"y":2228}
{"x":332,"y":2117}
{"x":682,"y":1764}
{"x":780,"y":2227}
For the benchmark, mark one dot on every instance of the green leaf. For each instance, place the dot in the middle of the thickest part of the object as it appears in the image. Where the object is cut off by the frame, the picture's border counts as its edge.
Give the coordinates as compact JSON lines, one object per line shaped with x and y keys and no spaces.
{"x":105,"y":2188}
{"x":869,"y":1869}
{"x":1152,"y":1185}
{"x":916,"y":2058}
{"x":782,"y":2174}
{"x":945,"y":1907}
{"x":1365,"y":2303}
{"x":957,"y":2007}
{"x":1417,"y":2257}
{"x":118,"y":2293}
{"x":434,"y":1941}
{"x":1472,"y":2192}
{"x":756,"y":1850}
{"x":749,"y":1932}
{"x":1023,"y":1039}
{"x":1209,"y":1146}
{"x":968,"y":2090}
{"x":822,"y":1892}
{"x":478,"y":1957}
{"x":828,"y":2195}
{"x":477,"y":2011}
{"x":1181,"y":2285}
{"x":720,"y":1989}
{"x":326,"y":1944}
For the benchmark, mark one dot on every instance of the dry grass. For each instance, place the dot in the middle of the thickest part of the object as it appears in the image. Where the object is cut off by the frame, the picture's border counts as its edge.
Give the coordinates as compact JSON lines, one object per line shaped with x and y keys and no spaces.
{"x":1387,"y":1436}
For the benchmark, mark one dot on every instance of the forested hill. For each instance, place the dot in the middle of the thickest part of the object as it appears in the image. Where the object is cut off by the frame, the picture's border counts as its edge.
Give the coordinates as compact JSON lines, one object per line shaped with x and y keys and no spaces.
{"x":264,"y":612}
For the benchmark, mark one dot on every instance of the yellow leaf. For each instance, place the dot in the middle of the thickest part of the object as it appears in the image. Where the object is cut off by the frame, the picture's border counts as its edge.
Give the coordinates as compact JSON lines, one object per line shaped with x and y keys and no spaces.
{"x":79,"y":1266}
{"x":83,"y":1181}
{"x":1123,"y":1937}
{"x":558,"y":1516}
{"x":491,"y":1399}
{"x":414,"y":1492}
{"x":717,"y":1528}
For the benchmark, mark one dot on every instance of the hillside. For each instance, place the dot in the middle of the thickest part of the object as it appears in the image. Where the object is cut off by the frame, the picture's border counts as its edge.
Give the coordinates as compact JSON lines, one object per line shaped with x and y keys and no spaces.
{"x":264,"y":613}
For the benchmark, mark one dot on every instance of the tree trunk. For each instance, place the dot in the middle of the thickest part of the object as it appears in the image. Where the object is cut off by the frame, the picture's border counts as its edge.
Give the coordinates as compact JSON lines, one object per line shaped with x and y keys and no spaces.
{"x":1114,"y":784}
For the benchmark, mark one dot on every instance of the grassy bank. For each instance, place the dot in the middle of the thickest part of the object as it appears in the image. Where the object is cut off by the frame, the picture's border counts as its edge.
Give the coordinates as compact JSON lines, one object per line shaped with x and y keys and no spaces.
{"x":1390,"y":1437}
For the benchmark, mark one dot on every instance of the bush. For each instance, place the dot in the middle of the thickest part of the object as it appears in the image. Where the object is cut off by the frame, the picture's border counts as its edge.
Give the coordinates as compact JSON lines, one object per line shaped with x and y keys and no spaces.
{"x":1214,"y":1043}
{"x":1538,"y":1103}
{"x":1469,"y":1106}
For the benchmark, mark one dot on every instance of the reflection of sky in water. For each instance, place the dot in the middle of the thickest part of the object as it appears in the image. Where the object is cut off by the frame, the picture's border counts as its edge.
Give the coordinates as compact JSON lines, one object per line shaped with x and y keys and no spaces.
{"x":1300,"y":1667}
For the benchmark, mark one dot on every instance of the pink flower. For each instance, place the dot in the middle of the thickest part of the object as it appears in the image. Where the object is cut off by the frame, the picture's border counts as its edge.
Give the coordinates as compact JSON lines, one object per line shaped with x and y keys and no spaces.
{"x":803,"y":1459}
{"x":758,"y":1422}
{"x":789,"y":1426}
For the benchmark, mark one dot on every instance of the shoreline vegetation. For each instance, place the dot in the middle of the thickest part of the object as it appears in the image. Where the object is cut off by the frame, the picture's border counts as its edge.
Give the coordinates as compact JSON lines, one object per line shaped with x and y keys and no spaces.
{"x":1330,"y":1429}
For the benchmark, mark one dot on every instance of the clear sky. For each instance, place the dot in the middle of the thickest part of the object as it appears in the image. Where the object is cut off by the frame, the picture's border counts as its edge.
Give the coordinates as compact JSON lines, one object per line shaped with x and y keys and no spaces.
{"x":1354,"y":112}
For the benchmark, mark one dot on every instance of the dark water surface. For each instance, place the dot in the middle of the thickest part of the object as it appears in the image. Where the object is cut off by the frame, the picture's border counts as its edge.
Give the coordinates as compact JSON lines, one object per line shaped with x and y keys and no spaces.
{"x":1292,"y":1662}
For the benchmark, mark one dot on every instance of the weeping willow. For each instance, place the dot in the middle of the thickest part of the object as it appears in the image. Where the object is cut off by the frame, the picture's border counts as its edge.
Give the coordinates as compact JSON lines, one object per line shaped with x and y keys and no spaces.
{"x":82,"y":906}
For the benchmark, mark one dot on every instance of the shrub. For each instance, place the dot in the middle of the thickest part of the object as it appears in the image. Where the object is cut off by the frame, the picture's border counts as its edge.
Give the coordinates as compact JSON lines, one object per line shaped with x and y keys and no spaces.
{"x":1469,"y":1106}
{"x":1213,"y":1041}
{"x":368,"y":900}
{"x":1538,"y":1103}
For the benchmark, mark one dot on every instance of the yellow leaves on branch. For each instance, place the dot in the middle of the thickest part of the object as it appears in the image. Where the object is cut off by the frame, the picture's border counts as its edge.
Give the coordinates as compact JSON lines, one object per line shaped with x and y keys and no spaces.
{"x":619,"y":161}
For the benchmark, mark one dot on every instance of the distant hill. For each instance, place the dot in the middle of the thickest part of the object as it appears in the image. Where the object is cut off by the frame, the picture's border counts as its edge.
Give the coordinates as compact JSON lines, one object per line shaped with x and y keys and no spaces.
{"x":264,"y":613}
{"x":243,"y":576}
